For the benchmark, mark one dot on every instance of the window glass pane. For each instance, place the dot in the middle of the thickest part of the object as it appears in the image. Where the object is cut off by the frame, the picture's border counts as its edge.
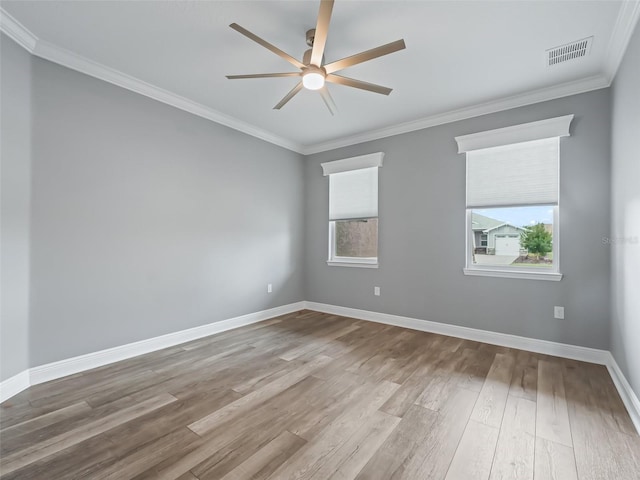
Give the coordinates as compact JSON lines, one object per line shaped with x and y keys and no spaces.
{"x":513,"y":236}
{"x":356,"y":238}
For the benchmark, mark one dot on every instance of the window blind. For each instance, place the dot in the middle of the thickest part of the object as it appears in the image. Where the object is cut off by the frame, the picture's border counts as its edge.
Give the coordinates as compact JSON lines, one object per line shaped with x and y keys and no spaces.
{"x":353,"y":194}
{"x":520,"y":174}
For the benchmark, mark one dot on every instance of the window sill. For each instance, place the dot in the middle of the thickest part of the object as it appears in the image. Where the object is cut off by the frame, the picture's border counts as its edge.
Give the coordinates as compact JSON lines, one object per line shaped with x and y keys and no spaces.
{"x":549,"y":276}
{"x":333,"y":263}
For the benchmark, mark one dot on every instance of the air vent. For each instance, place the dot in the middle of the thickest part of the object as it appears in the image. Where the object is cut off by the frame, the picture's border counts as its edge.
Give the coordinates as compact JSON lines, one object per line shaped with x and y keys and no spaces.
{"x":570,"y":51}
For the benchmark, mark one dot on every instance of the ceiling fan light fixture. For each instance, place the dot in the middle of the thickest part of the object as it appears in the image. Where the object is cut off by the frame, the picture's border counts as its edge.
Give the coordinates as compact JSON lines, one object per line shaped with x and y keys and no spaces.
{"x":313,"y":79}
{"x":313,"y":69}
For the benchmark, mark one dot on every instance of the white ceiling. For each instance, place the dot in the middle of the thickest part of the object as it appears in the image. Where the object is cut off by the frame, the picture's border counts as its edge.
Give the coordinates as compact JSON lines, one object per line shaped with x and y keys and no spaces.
{"x":463,"y":57}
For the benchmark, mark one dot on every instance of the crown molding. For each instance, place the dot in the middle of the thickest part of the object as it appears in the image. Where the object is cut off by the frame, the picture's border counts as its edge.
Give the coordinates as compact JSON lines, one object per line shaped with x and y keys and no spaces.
{"x":544,"y":94}
{"x":622,"y":31}
{"x":625,"y":24}
{"x":17,"y":32}
{"x":53,"y":53}
{"x":68,"y":59}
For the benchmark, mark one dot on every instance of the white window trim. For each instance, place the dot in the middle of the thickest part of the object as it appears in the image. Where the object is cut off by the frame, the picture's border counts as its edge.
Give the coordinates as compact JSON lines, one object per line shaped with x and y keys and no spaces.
{"x":345,"y":165}
{"x":336,"y":261}
{"x":526,"y":132}
{"x":528,"y":275}
{"x":531,"y":273}
{"x":350,"y":262}
{"x":552,"y":127}
{"x":353,"y":163}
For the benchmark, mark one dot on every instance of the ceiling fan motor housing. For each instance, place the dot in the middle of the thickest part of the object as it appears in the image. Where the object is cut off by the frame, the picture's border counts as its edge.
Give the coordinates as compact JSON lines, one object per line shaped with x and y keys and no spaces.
{"x":311,"y":35}
{"x":313,"y":69}
{"x":306,"y":58}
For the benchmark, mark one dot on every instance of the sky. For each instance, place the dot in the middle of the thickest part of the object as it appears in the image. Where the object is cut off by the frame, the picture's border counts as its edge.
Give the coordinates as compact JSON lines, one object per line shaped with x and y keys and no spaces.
{"x":519,"y":216}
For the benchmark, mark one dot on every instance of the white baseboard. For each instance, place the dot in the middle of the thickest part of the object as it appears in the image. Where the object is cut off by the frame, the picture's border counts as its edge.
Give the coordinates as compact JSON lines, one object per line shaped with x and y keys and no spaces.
{"x":69,"y":366}
{"x":591,"y":355}
{"x":14,"y":385}
{"x":52,"y":371}
{"x":629,"y":397}
{"x":584,"y":354}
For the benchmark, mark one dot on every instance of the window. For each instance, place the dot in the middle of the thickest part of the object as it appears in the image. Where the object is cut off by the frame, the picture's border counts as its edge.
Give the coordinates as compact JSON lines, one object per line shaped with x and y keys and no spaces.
{"x":513,"y":200}
{"x":353,"y":210}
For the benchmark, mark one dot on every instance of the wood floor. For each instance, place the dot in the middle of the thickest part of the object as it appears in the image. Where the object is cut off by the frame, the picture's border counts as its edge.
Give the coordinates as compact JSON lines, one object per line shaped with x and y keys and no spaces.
{"x":314,"y":396}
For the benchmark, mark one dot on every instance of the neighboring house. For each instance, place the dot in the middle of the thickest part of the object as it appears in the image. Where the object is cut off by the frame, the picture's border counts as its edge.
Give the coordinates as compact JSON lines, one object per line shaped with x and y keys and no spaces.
{"x":495,"y":237}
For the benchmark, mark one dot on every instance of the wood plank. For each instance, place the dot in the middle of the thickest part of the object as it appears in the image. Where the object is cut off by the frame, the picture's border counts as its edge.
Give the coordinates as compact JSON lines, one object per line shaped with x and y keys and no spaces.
{"x":342,"y":346}
{"x":424,"y":442}
{"x":265,"y":376}
{"x":356,"y":412}
{"x":308,"y":460}
{"x":552,"y":419}
{"x":317,"y":343}
{"x":409,"y":357}
{"x":475,"y":369}
{"x":187,"y":476}
{"x":608,"y":400}
{"x":415,"y":383}
{"x":474,"y":454}
{"x":353,"y":455}
{"x":265,"y":424}
{"x":341,"y":392}
{"x":438,"y":446}
{"x":601,"y":453}
{"x":49,"y":447}
{"x":391,"y":458}
{"x":371,"y":363}
{"x":515,"y":452}
{"x":524,"y":382}
{"x":72,"y":462}
{"x":45,"y":420}
{"x":445,"y":379}
{"x":268,"y":417}
{"x":266,"y":460}
{"x":554,"y":461}
{"x":249,"y":401}
{"x":125,"y":384}
{"x":493,"y":396}
{"x":142,"y":458}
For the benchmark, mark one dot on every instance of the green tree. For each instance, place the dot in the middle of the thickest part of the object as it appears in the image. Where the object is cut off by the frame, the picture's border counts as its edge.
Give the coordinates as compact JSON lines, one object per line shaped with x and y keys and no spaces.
{"x":537,"y":240}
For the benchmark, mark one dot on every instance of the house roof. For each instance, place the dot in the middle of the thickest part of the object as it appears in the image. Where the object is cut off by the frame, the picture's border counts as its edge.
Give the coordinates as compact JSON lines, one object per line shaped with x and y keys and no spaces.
{"x":486,"y":224}
{"x":480,"y":222}
{"x":504,"y":225}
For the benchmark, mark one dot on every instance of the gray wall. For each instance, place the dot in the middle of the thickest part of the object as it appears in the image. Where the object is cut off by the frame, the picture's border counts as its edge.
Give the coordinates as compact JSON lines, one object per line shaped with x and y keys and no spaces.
{"x":422,"y":233}
{"x":15,"y":171}
{"x":148,"y":220}
{"x":625,"y":226}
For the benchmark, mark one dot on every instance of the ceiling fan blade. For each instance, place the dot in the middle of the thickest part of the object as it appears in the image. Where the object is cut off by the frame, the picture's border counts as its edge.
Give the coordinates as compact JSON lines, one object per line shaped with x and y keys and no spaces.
{"x":328,"y":100}
{"x":322,"y":29}
{"x":364,"y":56}
{"x":264,"y":75}
{"x":267,"y":45}
{"x":288,"y":96}
{"x":350,"y":82}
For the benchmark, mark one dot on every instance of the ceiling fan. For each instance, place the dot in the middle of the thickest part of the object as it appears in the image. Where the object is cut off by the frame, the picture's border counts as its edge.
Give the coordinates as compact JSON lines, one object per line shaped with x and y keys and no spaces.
{"x":314,"y":72}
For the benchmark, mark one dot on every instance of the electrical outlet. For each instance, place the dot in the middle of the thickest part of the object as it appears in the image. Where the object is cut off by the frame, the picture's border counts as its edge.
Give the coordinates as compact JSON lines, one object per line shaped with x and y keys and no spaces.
{"x":558,"y":312}
{"x":269,"y":288}
{"x":376,"y":291}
